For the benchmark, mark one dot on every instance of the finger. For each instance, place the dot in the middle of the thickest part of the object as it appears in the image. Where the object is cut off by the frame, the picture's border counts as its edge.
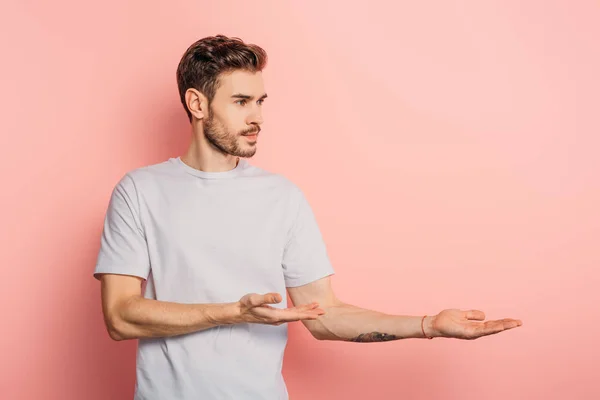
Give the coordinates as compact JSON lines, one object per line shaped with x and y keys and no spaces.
{"x":276,"y":315}
{"x":307,"y":308}
{"x":309,"y":314}
{"x":272,"y":298}
{"x":475,"y":315}
{"x":493,"y":327}
{"x":304,"y":307}
{"x":317,"y":311}
{"x":504,"y":324}
{"x":290,"y":315}
{"x":256,"y":300}
{"x":510,"y":323}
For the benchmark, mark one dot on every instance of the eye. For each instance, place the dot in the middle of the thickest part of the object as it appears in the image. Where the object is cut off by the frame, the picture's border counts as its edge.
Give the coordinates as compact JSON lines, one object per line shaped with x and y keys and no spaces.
{"x":241,"y":102}
{"x":260,"y":102}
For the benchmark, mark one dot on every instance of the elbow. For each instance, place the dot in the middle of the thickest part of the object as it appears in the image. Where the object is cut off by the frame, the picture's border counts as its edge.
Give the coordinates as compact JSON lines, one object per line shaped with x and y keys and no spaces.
{"x":118,"y":329}
{"x":115,"y":330}
{"x":114,"y":335}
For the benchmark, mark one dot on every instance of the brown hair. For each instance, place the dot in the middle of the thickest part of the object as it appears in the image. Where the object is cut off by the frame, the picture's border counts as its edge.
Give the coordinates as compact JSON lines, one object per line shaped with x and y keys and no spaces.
{"x":204,"y":61}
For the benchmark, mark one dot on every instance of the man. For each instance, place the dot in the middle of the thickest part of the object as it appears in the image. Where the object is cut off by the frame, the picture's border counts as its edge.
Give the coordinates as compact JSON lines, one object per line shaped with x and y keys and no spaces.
{"x":214,"y":243}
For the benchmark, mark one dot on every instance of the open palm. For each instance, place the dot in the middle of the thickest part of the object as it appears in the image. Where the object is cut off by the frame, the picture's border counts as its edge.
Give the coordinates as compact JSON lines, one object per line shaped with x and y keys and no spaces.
{"x":256,"y":308}
{"x":469,"y":325}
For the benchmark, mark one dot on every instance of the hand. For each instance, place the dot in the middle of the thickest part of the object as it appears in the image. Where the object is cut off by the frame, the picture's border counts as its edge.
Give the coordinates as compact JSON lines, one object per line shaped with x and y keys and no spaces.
{"x":454,"y":323}
{"x":255,"y":308}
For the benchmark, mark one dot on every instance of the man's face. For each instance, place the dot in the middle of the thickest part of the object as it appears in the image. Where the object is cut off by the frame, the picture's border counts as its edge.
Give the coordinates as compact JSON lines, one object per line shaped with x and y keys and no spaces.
{"x":235,"y":114}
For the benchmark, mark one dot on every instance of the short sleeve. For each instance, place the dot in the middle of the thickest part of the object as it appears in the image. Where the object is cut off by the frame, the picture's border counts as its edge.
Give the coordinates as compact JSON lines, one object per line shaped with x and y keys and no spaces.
{"x":305,"y":257}
{"x":123,"y":248}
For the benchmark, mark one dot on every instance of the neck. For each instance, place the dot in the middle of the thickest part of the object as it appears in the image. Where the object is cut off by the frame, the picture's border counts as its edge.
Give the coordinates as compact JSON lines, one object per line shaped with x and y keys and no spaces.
{"x":203,"y":156}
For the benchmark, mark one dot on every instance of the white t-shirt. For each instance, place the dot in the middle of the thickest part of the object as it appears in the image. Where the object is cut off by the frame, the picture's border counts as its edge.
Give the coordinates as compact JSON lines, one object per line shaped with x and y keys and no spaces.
{"x":212,"y":237}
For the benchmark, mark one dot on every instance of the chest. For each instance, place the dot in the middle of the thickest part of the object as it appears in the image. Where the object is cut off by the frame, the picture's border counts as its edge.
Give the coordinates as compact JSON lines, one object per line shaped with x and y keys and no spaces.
{"x":219,"y":223}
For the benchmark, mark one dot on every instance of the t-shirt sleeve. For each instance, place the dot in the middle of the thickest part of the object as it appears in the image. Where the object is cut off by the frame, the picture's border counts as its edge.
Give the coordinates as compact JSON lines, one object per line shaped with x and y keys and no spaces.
{"x":123,"y":248}
{"x":305,"y":257}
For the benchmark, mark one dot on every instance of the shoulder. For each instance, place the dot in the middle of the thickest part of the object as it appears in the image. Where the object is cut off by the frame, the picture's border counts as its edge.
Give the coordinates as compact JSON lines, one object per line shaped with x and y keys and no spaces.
{"x":132,"y":182}
{"x":140,"y":176}
{"x":276,"y":179}
{"x":164,"y":169}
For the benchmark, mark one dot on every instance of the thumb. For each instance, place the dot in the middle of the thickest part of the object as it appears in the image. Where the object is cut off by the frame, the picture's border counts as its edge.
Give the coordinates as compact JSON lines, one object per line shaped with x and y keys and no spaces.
{"x":257,"y":300}
{"x":271,"y":298}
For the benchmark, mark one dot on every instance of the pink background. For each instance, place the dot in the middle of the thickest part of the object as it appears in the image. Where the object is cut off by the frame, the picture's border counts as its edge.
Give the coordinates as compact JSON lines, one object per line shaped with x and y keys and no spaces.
{"x":450,"y":152}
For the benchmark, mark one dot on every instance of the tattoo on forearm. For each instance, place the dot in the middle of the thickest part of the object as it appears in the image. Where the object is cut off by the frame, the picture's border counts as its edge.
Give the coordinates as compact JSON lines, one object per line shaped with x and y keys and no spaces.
{"x":373,"y":337}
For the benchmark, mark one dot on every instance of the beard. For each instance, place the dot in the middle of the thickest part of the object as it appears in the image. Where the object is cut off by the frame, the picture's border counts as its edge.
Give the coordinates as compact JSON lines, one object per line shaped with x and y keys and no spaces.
{"x":225,"y":141}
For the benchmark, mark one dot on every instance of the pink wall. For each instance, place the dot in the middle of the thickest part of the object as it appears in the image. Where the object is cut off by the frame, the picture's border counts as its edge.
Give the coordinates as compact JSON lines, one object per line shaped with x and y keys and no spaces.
{"x":450,"y":154}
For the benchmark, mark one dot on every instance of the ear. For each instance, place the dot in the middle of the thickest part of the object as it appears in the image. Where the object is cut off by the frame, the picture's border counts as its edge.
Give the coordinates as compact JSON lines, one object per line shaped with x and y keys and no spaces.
{"x":197,"y":103}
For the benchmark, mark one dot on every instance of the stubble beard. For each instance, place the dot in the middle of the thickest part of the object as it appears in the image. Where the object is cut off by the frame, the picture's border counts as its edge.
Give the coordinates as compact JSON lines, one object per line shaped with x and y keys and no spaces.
{"x":226,"y":142}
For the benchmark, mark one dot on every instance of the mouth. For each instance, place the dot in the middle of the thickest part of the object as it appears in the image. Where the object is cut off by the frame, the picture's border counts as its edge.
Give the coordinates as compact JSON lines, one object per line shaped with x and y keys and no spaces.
{"x":251,"y":136}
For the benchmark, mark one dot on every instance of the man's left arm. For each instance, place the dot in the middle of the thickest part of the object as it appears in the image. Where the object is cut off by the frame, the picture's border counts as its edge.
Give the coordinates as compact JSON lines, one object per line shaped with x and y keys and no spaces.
{"x":346,"y":322}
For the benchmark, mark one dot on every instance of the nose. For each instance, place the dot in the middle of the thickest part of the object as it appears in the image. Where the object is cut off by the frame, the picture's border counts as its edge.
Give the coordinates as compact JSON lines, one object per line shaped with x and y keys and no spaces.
{"x":256,"y":117}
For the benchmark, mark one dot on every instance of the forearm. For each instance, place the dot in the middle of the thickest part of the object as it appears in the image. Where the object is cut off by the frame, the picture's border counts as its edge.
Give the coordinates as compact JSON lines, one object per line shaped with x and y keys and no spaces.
{"x":350,"y":323}
{"x":138,"y":317}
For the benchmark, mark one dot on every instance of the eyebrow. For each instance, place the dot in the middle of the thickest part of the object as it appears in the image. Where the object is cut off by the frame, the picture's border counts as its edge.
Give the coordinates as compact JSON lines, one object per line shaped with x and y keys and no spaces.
{"x":247,"y":97}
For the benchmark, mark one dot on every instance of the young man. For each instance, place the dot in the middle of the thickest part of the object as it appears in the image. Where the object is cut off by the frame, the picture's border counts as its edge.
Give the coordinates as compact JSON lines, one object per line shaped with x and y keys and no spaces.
{"x":217,"y":242}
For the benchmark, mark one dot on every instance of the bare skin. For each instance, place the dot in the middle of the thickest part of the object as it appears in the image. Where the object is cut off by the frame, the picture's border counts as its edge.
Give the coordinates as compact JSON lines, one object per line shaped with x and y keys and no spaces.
{"x":345,"y":322}
{"x":222,"y":132}
{"x":130,"y":316}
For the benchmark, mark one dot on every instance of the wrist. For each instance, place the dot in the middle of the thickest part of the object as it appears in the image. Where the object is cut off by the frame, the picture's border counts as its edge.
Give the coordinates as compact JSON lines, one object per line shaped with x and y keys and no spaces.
{"x":224,"y":314}
{"x":429,"y":326}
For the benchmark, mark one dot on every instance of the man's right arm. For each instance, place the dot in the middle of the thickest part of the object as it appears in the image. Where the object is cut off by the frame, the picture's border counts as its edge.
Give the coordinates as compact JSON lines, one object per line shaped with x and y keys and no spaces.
{"x":128,"y":315}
